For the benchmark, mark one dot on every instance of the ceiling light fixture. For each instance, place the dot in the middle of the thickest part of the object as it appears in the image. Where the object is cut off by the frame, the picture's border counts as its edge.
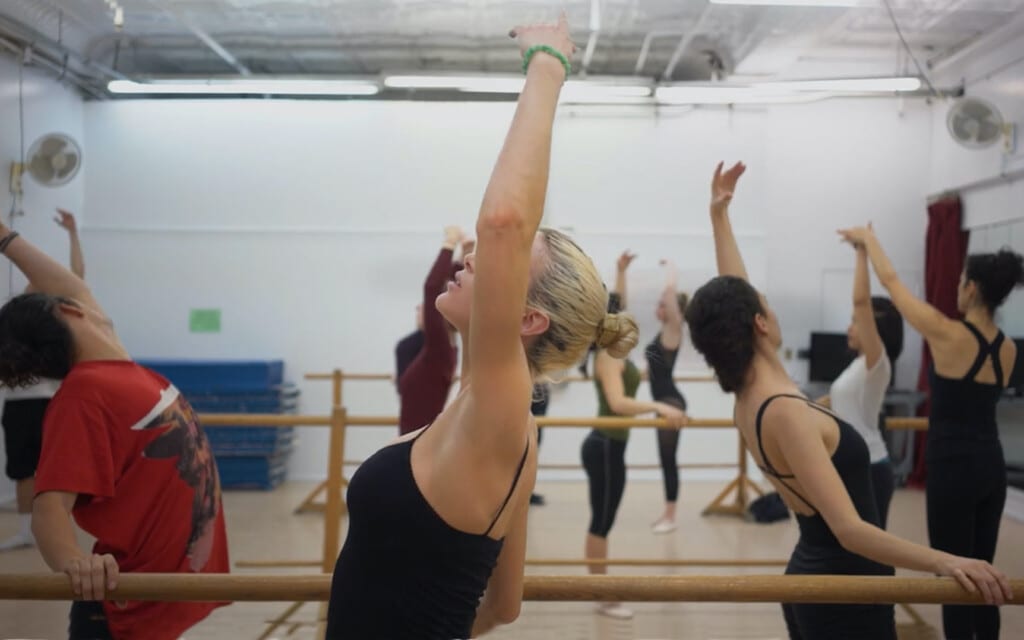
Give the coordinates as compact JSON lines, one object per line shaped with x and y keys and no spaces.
{"x":246,"y":86}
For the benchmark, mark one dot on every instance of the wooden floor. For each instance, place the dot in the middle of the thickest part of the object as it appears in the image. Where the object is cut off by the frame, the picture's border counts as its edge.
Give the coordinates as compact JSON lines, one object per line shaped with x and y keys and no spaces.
{"x":261,"y":526}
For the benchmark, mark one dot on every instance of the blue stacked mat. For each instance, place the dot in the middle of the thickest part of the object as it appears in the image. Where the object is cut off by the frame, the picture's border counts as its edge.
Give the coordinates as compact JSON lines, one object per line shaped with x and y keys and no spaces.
{"x":247,"y":457}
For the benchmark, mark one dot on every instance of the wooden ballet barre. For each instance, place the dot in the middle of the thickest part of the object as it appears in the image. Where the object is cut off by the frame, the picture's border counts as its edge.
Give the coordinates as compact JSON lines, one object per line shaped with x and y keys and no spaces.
{"x":178,"y":587}
{"x":285,"y":420}
{"x":262,"y":420}
{"x":562,"y":562}
{"x":548,"y":421}
{"x":388,"y":376}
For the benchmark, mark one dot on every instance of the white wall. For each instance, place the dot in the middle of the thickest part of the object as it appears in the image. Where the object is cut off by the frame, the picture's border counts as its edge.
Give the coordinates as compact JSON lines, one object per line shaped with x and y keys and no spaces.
{"x":312,"y":224}
{"x":48,"y":107}
{"x":994,"y":213}
{"x":996,"y":76}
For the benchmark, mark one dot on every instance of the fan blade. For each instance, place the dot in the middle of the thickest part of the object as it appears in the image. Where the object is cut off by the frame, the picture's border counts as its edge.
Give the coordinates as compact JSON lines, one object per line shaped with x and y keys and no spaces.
{"x":52,"y":146}
{"x":40,"y":168}
{"x":70,"y":167}
{"x":988,"y":132}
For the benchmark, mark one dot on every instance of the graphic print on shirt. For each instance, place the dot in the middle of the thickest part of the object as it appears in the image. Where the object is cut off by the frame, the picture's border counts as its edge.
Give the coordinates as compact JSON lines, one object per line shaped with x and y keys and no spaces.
{"x":183,"y":439}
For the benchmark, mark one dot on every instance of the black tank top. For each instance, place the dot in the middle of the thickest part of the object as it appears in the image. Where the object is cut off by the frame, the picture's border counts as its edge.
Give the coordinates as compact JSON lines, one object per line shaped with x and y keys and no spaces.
{"x":853,"y":464}
{"x":403,"y":571}
{"x":660,"y":363}
{"x":963,"y":411}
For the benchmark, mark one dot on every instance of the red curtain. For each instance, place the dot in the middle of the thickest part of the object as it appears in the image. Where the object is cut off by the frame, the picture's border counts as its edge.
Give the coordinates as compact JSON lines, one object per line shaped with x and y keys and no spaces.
{"x":945,"y":252}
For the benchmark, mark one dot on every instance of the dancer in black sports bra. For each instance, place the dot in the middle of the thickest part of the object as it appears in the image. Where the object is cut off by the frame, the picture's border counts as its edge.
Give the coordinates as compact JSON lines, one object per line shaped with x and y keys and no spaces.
{"x":817,"y":462}
{"x":819,"y":552}
{"x":452,"y":567}
{"x":437,"y":531}
{"x":966,"y":482}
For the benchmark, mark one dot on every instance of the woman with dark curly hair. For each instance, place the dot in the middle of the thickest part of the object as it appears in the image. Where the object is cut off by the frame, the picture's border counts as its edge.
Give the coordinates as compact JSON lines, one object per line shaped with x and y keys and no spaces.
{"x":816,"y":461}
{"x":971,"y":366}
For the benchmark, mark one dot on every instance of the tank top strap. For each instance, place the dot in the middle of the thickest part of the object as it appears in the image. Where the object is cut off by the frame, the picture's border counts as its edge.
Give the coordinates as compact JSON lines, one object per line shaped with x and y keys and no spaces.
{"x":511,"y":490}
{"x":985,"y":350}
{"x":767,"y":466}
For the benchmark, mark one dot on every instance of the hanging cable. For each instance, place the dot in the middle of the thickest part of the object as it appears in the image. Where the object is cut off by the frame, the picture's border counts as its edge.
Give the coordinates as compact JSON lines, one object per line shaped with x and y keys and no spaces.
{"x":906,"y":47}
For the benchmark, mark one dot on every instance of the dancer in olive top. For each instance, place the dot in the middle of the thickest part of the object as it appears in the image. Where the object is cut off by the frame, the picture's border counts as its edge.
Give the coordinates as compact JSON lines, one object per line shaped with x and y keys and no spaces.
{"x":604,"y":450}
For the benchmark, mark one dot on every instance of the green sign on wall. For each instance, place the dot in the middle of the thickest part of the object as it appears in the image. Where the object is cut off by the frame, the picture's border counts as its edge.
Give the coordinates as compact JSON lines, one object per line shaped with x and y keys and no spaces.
{"x":204,"y":321}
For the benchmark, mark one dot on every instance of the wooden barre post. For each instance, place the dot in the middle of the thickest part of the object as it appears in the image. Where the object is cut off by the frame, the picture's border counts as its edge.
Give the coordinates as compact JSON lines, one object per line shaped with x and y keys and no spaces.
{"x":180,"y":587}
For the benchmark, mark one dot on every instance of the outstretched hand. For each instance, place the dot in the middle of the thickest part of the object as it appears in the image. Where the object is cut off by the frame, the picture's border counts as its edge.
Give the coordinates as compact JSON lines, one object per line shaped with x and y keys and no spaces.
{"x":453,"y":236}
{"x":857,"y":236}
{"x":723,"y":185}
{"x":66,"y":220}
{"x":671,"y":272}
{"x":555,"y":36}
{"x":625,"y":260}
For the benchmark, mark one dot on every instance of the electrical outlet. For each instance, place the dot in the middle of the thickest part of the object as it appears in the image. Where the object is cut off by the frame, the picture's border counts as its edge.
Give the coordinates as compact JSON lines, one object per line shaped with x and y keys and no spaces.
{"x":17,"y":170}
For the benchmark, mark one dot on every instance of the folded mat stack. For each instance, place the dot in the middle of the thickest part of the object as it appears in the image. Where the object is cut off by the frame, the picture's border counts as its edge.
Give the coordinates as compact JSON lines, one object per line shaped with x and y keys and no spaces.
{"x":247,"y":457}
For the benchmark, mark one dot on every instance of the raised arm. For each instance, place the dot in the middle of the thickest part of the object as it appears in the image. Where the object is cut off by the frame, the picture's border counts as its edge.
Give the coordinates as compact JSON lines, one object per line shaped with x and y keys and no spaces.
{"x":863,"y":313}
{"x":621,"y":267}
{"x":44,"y":273}
{"x":931,"y":323}
{"x":435,"y":327}
{"x":509,"y":217}
{"x":672,"y":328}
{"x":66,"y":220}
{"x":793,"y":427}
{"x":727,"y":252}
{"x":608,"y":371}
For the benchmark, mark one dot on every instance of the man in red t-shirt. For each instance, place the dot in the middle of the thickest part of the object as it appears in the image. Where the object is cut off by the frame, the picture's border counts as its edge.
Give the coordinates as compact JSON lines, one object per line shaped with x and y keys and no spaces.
{"x":123,"y":455}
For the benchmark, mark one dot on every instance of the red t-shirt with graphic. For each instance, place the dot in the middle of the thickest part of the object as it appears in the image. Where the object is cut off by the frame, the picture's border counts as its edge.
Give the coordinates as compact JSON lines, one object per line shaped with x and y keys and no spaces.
{"x":128,"y":443}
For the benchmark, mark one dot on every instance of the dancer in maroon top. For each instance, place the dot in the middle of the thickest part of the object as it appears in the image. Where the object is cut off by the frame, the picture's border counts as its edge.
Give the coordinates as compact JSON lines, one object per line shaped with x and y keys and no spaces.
{"x":426,"y":382}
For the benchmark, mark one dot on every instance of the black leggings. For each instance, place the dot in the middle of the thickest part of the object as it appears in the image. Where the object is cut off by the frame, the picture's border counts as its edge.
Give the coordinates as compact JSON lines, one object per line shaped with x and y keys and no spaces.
{"x":88,"y":621}
{"x":604,"y":460}
{"x":965,"y":498}
{"x":884,"y":485}
{"x":668,"y":448}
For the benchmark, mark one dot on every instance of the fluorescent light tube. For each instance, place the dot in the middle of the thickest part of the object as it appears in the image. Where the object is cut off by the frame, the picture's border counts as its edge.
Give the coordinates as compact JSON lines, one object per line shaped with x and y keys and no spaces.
{"x":472,"y":84}
{"x":732,"y":95}
{"x":246,"y":86}
{"x":798,"y":3}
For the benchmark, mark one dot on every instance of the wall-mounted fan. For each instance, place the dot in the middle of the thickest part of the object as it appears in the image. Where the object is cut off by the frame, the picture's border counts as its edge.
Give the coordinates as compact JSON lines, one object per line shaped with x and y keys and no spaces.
{"x":975,"y":123}
{"x":53,"y":160}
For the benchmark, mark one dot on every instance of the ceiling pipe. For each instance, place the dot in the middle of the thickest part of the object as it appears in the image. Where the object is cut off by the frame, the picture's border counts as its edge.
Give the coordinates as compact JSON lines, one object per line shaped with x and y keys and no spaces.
{"x":991,"y":40}
{"x":595,"y":30}
{"x":685,"y":42}
{"x":58,"y":70}
{"x":645,"y":48}
{"x":41,"y":42}
{"x":206,"y":39}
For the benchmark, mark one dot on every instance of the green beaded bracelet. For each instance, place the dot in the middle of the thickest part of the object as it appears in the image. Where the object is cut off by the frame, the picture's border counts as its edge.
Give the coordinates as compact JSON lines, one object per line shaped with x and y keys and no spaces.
{"x":550,"y":51}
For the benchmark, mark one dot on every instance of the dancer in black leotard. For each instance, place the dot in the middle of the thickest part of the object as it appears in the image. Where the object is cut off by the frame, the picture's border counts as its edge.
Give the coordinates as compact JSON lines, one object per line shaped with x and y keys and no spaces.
{"x":818,"y":463}
{"x":437,"y":528}
{"x":972,"y":362}
{"x":661,"y":361}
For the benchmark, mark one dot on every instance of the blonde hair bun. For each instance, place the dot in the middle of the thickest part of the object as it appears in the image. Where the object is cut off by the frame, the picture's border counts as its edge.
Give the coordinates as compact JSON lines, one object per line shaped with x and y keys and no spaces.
{"x":618,"y":334}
